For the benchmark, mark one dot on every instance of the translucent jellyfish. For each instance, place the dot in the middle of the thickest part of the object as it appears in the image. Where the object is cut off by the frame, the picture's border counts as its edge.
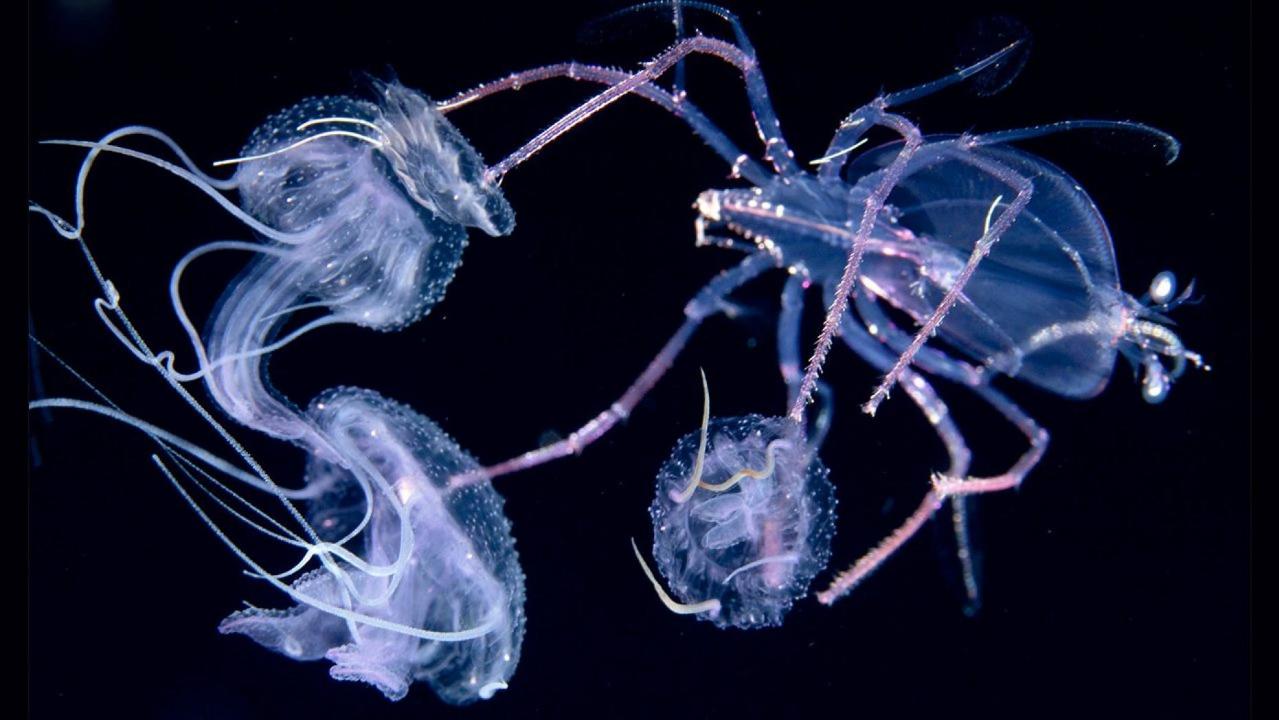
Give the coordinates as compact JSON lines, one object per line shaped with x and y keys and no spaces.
{"x":462,"y":573}
{"x":362,"y":207}
{"x":375,"y":218}
{"x":743,"y":519}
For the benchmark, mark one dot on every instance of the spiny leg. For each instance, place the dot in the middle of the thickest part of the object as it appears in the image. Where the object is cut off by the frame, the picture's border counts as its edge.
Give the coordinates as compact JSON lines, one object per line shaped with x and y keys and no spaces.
{"x":653,"y":69}
{"x":937,"y":363}
{"x":953,"y":485}
{"x":963,"y":151}
{"x":940,"y":364}
{"x":682,"y":108}
{"x":938,"y":415}
{"x":708,"y":301}
{"x":932,"y":360}
{"x":871,"y":207}
{"x":789,"y":347}
{"x":849,"y":135}
{"x":1013,"y":477}
{"x":847,"y":138}
{"x":676,"y":8}
{"x":776,"y":151}
{"x":952,"y":488}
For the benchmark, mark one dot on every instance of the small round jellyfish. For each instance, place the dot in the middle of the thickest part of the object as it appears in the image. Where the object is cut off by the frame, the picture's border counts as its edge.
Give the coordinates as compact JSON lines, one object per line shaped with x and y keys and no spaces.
{"x":742,"y":521}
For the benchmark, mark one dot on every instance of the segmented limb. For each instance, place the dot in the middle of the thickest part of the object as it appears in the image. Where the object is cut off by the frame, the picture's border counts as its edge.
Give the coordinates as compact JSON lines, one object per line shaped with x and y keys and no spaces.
{"x":954,"y":484}
{"x":938,"y":415}
{"x":745,"y":63}
{"x":850,"y":132}
{"x":776,"y":150}
{"x":846,"y":139}
{"x":789,"y":346}
{"x":708,"y":301}
{"x":962,"y":150}
{"x":877,"y":324}
{"x":932,"y":360}
{"x":872,"y":205}
{"x":679,"y":106}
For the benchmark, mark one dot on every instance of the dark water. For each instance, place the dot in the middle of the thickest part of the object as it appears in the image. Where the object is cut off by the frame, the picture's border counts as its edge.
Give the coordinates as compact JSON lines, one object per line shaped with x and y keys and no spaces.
{"x":1115,"y":581}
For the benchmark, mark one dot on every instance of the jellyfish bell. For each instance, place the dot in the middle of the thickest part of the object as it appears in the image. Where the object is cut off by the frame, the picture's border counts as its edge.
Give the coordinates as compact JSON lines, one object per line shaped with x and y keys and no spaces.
{"x":744,"y":516}
{"x":424,"y":153}
{"x":369,"y":202}
{"x":460,"y":577}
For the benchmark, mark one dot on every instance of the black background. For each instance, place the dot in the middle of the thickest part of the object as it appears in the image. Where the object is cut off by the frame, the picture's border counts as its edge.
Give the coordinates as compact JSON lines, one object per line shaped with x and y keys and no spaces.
{"x":1116,"y":581}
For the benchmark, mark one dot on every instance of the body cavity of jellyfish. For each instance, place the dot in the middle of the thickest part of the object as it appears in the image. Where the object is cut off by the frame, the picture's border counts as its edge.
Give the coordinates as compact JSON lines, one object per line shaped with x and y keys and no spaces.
{"x":742,"y":521}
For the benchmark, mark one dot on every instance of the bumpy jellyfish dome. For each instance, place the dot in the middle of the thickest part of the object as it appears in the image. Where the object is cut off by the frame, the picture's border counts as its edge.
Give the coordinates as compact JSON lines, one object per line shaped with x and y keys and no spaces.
{"x":756,"y":529}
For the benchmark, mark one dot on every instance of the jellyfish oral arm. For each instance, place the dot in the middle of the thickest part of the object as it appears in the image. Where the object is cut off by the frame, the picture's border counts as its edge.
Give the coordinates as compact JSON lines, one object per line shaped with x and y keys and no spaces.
{"x":200,"y":181}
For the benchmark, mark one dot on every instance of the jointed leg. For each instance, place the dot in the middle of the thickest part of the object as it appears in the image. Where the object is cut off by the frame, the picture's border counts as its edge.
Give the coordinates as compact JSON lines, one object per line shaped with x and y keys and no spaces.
{"x":727,"y":52}
{"x":788,"y":350}
{"x":936,"y":362}
{"x":954,"y":484}
{"x":871,"y":207}
{"x":962,"y":151}
{"x":1013,"y":477}
{"x":776,"y":150}
{"x":707,"y":302}
{"x":848,"y":137}
{"x":932,"y":360}
{"x":938,"y":415}
{"x":743,"y":165}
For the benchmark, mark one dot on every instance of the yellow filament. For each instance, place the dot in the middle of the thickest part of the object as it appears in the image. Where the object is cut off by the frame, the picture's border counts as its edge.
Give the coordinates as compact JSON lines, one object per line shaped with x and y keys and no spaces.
{"x":769,"y":465}
{"x":696,"y":479}
{"x":300,"y":143}
{"x":678,"y":608}
{"x":990,"y":214}
{"x":827,"y":158}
